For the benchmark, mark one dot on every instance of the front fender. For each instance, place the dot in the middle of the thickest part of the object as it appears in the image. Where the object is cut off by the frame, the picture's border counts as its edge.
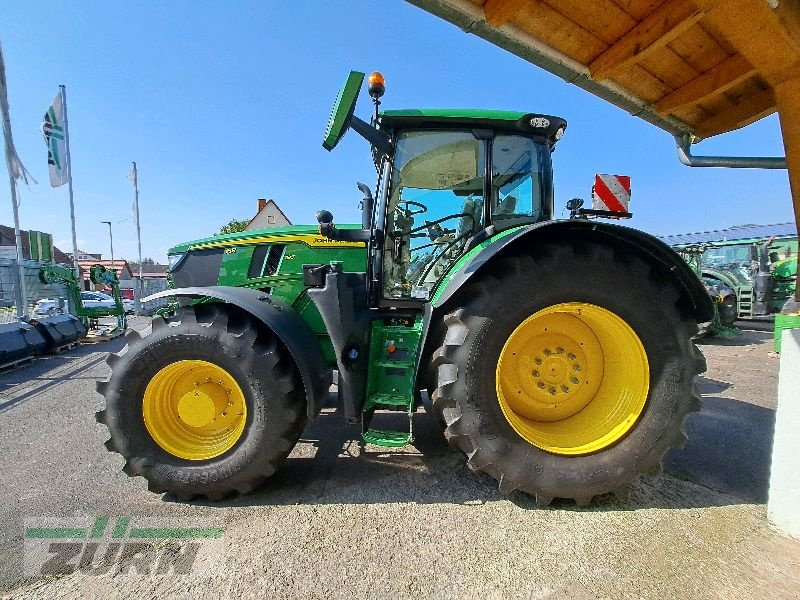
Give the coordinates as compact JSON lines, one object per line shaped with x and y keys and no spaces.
{"x":279,"y":317}
{"x":633,"y":241}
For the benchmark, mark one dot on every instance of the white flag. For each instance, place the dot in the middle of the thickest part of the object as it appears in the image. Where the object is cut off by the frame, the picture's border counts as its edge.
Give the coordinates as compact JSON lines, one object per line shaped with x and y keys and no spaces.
{"x":54,"y":137}
{"x":133,"y":177}
{"x":15,"y":167}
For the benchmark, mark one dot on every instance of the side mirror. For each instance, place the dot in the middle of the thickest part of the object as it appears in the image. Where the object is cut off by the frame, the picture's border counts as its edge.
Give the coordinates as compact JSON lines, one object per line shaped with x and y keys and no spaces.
{"x":574,"y":204}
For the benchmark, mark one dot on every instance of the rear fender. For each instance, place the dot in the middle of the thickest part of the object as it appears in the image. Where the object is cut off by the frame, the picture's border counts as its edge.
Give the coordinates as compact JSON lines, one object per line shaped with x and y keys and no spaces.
{"x":284,"y":322}
{"x":694,"y":297}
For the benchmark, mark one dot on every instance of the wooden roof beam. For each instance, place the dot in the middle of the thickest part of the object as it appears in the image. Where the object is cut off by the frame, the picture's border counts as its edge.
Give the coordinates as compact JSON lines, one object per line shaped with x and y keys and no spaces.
{"x":760,"y":34}
{"x":788,"y":96}
{"x":748,"y":111}
{"x":716,"y":80}
{"x":655,"y":31}
{"x":500,"y":12}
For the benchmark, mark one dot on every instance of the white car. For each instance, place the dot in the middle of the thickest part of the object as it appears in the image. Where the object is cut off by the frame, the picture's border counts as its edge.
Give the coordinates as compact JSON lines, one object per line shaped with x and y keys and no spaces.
{"x":48,"y":307}
{"x":101,"y":300}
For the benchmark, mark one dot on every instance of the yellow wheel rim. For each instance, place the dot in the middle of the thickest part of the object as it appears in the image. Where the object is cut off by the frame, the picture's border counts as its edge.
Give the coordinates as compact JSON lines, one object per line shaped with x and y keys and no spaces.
{"x":572,"y":379}
{"x":194,"y":409}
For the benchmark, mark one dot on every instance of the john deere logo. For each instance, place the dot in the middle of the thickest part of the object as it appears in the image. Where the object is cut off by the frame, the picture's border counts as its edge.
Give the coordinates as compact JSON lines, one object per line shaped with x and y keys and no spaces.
{"x":116,"y":546}
{"x":540,"y":123}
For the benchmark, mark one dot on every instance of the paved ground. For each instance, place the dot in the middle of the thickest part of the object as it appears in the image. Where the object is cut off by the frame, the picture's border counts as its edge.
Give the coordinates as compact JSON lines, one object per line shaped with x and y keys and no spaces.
{"x":415,"y":522}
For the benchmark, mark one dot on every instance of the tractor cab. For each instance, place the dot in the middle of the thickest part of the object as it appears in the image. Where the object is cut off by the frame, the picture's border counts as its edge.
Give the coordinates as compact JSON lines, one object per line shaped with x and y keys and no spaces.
{"x":447,"y":180}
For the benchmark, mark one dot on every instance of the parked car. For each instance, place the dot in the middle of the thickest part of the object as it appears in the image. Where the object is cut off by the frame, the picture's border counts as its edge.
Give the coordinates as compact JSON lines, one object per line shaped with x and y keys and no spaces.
{"x":47,"y":307}
{"x":99,"y":299}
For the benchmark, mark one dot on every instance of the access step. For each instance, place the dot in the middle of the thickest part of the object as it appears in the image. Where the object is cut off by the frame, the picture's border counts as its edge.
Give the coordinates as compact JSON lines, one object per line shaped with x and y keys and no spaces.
{"x":387,"y":438}
{"x":389,"y":401}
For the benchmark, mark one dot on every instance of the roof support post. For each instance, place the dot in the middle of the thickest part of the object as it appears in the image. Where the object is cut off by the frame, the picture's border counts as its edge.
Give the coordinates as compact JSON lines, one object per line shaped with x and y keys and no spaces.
{"x":788,"y":96}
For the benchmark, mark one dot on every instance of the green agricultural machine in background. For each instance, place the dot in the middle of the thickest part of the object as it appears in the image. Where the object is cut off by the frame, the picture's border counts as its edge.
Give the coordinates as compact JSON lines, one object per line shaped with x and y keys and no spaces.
{"x":98,"y":275}
{"x":761,"y":272}
{"x":556,"y":354}
{"x":722,"y":296}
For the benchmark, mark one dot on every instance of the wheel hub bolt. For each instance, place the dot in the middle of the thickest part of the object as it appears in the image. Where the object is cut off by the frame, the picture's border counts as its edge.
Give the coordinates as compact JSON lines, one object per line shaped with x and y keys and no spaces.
{"x":564,"y":389}
{"x":547,"y":352}
{"x":540,"y":385}
{"x":560,"y":350}
{"x":571,"y":356}
{"x":535,"y":373}
{"x":576,"y":367}
{"x":538,"y":361}
{"x":574,"y":380}
{"x":552,"y":391}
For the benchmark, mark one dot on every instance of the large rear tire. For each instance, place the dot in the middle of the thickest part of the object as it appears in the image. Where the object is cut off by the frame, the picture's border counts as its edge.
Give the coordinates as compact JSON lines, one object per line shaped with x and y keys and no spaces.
{"x":206,"y":403}
{"x":567,"y":373}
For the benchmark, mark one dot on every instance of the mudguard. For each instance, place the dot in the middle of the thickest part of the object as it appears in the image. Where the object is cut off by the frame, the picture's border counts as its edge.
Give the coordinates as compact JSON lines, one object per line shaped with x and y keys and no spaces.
{"x":634,"y":241}
{"x":292,"y":330}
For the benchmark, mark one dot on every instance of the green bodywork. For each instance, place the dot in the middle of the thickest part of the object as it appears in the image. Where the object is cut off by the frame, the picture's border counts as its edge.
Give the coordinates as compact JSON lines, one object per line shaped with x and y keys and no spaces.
{"x":286,"y":282}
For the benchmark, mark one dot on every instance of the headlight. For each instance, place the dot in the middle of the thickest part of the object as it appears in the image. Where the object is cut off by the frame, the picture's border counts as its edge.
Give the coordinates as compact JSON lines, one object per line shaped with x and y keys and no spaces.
{"x":175,"y":260}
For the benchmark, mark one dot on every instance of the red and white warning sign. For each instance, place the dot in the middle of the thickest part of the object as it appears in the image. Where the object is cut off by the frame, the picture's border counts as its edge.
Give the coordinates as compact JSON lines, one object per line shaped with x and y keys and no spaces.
{"x":611,"y":192}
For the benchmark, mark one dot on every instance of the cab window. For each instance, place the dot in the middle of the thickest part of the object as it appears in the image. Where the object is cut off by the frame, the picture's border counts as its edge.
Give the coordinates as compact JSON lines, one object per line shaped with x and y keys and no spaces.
{"x":518,"y":167}
{"x":435,"y":206}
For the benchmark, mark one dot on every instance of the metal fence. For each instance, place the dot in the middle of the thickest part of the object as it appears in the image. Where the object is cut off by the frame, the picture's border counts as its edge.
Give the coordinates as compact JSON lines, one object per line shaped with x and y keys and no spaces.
{"x":10,"y":289}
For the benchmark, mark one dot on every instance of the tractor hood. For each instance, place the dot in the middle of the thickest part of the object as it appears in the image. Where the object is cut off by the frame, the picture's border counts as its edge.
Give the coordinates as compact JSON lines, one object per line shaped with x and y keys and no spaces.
{"x":308,"y":234}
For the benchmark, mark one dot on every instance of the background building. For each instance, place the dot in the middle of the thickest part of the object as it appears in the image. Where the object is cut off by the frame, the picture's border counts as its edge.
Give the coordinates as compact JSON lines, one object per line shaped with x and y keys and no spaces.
{"x":269,"y":215}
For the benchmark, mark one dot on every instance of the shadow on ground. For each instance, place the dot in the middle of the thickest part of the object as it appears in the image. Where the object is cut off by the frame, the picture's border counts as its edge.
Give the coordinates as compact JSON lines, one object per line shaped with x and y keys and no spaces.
{"x":726,"y":462}
{"x":46,"y":372}
{"x":729,"y":448}
{"x":747,"y":337}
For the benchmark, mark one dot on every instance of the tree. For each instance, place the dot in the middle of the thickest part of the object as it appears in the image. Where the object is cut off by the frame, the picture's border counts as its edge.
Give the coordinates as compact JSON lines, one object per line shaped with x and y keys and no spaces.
{"x":148,"y":261}
{"x":233,"y":226}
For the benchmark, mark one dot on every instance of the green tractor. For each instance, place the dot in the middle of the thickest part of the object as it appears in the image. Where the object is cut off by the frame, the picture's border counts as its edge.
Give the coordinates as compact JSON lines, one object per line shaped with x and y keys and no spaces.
{"x":556,"y":354}
{"x":761,"y":272}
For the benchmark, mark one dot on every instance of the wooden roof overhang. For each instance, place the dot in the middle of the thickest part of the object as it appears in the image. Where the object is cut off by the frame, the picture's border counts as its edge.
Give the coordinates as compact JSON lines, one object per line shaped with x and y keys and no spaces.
{"x":695,"y":68}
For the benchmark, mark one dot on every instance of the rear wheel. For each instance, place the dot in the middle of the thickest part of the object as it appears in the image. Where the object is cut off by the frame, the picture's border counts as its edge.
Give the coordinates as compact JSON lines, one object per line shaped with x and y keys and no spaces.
{"x":206,"y":403}
{"x":579,"y":385}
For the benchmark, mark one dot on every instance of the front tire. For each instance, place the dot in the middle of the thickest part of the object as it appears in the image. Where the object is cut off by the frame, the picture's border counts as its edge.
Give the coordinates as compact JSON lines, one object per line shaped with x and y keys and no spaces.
{"x":579,"y":384}
{"x":206,"y":403}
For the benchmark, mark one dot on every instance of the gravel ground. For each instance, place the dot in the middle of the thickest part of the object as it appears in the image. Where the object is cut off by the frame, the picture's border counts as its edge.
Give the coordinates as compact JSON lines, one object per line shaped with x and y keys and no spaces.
{"x":414,"y":522}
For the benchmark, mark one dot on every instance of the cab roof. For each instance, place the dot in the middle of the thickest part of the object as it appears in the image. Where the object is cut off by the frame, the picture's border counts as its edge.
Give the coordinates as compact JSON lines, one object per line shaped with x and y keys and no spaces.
{"x":500,"y":120}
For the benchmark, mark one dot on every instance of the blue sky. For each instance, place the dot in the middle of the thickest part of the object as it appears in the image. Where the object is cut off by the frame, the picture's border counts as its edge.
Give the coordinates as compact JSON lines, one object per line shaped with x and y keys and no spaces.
{"x":220,"y":103}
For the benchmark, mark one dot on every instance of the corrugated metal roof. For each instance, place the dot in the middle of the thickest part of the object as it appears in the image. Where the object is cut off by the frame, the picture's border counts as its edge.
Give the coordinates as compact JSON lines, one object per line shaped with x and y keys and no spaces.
{"x":738,"y":232}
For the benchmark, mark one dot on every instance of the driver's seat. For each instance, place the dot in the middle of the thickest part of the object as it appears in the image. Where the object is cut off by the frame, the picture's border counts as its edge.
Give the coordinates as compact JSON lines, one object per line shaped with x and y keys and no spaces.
{"x":469,"y":225}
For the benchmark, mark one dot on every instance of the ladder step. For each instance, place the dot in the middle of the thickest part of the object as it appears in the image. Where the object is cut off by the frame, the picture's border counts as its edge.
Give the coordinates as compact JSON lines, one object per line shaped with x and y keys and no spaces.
{"x":388,"y":400}
{"x":387,"y":438}
{"x":395,"y":364}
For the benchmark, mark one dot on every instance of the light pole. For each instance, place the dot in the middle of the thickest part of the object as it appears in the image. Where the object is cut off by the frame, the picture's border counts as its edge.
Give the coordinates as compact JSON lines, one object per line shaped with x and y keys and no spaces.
{"x":111,"y":239}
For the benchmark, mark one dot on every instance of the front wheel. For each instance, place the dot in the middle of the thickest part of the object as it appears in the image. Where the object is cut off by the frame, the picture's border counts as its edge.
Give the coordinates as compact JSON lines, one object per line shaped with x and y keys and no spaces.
{"x":579,"y":385}
{"x":206,"y":403}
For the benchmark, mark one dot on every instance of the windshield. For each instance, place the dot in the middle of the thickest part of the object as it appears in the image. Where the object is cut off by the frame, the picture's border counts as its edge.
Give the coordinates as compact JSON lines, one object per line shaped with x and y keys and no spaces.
{"x":435,"y":206}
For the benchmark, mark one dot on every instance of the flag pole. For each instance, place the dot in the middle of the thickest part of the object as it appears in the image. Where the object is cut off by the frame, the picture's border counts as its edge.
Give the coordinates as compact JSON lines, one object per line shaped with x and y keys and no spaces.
{"x":75,"y":264}
{"x":22,"y":311}
{"x":138,"y":305}
{"x":15,"y":170}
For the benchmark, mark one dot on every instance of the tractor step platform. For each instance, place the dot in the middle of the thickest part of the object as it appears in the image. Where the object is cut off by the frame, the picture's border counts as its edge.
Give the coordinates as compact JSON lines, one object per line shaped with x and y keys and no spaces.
{"x":390,"y":387}
{"x":387,"y":438}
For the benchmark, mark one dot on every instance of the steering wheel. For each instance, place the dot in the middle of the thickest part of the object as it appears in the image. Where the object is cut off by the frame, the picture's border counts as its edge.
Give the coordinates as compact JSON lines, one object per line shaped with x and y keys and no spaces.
{"x":407,"y":212}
